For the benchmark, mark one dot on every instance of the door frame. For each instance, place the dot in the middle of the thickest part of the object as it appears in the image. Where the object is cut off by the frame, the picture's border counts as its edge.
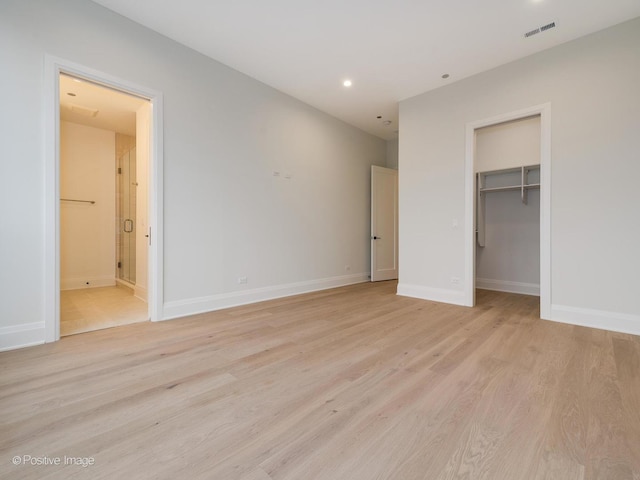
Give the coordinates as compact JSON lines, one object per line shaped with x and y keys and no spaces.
{"x":544,"y":110}
{"x":55,"y":66}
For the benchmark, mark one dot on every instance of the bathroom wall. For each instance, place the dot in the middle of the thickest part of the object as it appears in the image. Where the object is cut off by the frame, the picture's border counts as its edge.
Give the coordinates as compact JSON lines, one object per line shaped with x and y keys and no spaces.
{"x":143,"y":121}
{"x":87,"y":239}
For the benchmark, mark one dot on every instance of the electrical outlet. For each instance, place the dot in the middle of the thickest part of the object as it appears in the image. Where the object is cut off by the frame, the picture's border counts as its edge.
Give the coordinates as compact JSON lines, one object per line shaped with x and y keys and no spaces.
{"x":455,"y":280}
{"x":242,"y":280}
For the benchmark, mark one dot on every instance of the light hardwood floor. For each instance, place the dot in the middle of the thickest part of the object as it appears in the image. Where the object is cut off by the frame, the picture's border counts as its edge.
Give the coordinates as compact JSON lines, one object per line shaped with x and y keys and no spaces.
{"x":89,"y":309}
{"x":354,"y":383}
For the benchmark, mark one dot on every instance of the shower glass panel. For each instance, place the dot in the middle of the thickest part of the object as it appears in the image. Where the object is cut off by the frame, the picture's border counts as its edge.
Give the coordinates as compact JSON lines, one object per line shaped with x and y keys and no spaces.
{"x":127,"y":216}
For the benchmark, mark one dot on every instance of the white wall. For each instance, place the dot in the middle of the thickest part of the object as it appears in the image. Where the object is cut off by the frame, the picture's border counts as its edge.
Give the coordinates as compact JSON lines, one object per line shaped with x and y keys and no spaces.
{"x":508,"y":145}
{"x":87,"y":232}
{"x":225,"y":214}
{"x":592,"y":86}
{"x":510,"y":258}
{"x":392,"y":154}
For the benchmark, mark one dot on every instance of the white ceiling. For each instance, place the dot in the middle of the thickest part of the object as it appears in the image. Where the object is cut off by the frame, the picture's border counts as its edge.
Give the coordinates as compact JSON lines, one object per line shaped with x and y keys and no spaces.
{"x":116,"y":111}
{"x":391,"y":49}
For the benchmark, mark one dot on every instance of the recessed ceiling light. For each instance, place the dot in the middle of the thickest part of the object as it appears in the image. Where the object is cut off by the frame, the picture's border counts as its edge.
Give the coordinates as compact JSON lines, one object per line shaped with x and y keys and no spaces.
{"x":347,"y":83}
{"x":446,"y":75}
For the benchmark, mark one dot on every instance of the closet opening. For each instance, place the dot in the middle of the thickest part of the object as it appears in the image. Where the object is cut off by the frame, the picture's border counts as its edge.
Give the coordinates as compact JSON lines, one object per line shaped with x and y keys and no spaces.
{"x":507,"y":174}
{"x":508,"y":207}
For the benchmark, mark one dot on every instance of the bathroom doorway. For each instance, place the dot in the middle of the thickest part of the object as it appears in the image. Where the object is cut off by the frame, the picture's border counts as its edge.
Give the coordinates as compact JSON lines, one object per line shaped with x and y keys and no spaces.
{"x":104,"y":156}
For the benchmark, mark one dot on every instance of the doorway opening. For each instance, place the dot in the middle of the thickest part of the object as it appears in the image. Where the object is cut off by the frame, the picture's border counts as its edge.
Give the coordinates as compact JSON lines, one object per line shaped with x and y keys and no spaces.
{"x":507,"y":200}
{"x":507,"y":168}
{"x":92,"y":233}
{"x":103,"y":206}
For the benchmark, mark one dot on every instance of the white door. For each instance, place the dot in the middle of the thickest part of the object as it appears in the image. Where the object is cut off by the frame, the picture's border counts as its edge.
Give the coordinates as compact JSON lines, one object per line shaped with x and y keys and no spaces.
{"x":384,"y":224}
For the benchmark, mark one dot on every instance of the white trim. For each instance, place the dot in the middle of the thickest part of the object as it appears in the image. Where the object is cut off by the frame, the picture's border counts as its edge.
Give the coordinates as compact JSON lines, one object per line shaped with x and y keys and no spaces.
{"x":586,"y":317}
{"x":123,"y":283}
{"x":455,"y":297}
{"x":469,"y":281}
{"x":141,"y":293}
{"x":53,"y":66}
{"x":81,"y":282}
{"x":192,"y":306}
{"x":544,"y":111}
{"x":545,"y":210}
{"x":155,"y":285}
{"x":18,"y":336}
{"x":508,"y":286}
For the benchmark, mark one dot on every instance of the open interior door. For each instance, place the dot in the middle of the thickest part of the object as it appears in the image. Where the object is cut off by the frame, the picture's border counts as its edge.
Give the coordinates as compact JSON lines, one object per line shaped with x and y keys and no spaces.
{"x":384,"y":224}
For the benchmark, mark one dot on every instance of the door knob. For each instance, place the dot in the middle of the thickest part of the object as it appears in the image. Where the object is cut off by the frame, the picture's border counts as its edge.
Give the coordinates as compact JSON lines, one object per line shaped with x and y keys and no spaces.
{"x":377,"y":238}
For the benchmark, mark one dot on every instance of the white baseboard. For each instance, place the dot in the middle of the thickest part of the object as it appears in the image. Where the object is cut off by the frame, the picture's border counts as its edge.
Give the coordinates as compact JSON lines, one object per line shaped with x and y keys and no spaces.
{"x":192,"y":306}
{"x":124,"y":283}
{"x":81,"y":282}
{"x":18,"y":336}
{"x":507,"y":286}
{"x":140,"y":292}
{"x":586,"y":317}
{"x":455,"y":297}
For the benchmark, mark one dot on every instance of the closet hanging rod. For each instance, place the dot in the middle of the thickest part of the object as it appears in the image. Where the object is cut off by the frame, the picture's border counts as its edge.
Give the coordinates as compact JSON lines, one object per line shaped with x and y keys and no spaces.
{"x":511,"y":187}
{"x":79,"y":201}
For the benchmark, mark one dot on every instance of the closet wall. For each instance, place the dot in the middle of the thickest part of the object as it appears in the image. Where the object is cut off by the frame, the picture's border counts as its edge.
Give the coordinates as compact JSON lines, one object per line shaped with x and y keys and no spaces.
{"x":510,"y":259}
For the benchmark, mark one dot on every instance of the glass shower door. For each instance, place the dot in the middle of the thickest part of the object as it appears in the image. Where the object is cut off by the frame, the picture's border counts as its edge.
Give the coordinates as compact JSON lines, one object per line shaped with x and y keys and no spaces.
{"x":127,"y":217}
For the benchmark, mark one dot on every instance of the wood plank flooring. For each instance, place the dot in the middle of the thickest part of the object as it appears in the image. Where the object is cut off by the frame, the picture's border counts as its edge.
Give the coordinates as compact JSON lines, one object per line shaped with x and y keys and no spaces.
{"x":352,"y":383}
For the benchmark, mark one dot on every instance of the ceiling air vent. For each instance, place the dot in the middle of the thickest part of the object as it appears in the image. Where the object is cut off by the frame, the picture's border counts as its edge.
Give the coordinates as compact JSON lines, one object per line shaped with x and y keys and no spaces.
{"x":532,"y":32}
{"x":547,"y":26}
{"x":543,"y":28}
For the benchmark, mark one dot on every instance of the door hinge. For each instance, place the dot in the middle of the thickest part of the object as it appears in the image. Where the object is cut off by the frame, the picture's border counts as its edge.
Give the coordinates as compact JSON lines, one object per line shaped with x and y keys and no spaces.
{"x":119,"y":264}
{"x":119,"y":171}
